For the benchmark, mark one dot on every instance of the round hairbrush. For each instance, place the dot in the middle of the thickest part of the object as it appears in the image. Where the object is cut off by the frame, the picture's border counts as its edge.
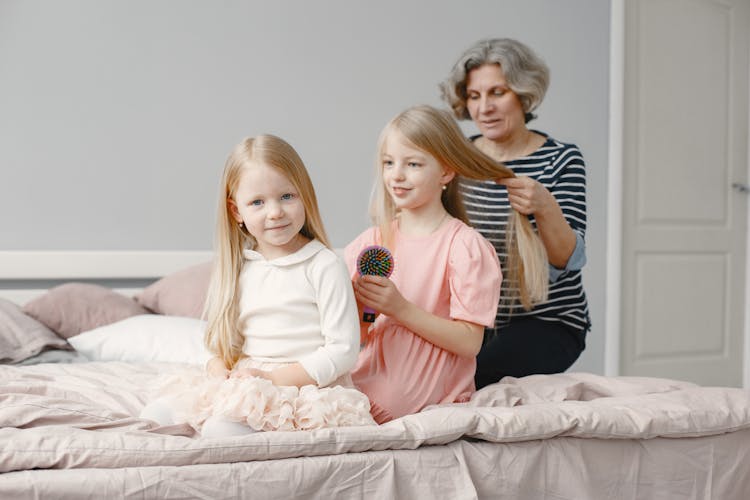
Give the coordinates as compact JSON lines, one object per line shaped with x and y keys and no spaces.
{"x":374,"y":260}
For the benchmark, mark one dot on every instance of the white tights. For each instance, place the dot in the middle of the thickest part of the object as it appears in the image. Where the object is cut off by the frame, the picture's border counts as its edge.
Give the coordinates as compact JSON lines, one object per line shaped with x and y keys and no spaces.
{"x":161,"y":412}
{"x":216,"y":426}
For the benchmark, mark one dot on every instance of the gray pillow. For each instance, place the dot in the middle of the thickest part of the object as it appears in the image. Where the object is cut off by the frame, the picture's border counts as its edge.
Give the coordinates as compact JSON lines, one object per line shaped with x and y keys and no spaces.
{"x":22,"y":336}
{"x":72,"y":308}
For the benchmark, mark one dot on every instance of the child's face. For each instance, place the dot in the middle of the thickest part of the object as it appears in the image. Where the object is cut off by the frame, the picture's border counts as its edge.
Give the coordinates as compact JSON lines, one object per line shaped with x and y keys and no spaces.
{"x":413,"y":178}
{"x":272,"y":210}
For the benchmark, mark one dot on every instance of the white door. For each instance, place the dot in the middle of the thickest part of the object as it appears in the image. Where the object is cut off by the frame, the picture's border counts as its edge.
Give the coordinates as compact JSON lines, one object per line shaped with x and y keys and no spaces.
{"x":685,"y":143}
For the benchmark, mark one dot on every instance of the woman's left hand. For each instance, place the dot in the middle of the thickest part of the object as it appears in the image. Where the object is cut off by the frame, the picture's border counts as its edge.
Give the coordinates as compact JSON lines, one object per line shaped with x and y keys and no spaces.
{"x":380,"y":294}
{"x":526,"y":195}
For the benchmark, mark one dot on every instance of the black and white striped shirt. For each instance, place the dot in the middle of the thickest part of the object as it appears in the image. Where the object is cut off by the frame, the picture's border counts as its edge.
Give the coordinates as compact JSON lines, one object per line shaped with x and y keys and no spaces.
{"x":560,"y":168}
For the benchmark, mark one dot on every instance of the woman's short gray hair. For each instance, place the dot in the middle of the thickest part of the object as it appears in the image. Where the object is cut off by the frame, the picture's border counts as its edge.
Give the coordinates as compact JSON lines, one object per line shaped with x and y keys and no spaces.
{"x":526,"y":73}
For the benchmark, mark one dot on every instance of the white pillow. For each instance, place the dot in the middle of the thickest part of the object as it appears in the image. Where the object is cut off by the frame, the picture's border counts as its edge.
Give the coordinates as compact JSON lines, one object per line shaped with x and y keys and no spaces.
{"x":147,"y":337}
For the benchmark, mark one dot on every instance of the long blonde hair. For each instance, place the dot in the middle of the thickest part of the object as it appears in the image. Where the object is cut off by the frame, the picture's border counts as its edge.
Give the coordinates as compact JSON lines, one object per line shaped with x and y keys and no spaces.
{"x":223,"y":335}
{"x":436,"y":133}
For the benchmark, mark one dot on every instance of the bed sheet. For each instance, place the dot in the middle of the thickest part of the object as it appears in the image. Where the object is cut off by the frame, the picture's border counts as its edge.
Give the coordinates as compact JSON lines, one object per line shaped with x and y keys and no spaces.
{"x":72,"y":427}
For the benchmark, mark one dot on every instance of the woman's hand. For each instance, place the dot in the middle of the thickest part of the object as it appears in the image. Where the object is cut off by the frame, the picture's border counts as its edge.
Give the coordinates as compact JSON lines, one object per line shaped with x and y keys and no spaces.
{"x":528,"y":196}
{"x":380,"y":294}
{"x":215,"y":367}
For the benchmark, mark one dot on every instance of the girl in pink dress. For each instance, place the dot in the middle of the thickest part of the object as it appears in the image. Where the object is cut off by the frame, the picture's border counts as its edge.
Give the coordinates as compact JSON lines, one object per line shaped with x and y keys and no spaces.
{"x":445,"y":284}
{"x":282,"y":319}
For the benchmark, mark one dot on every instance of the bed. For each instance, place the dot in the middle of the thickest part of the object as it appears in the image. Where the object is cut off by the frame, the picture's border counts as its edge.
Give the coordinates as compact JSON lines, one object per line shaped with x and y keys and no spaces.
{"x":69,"y":426}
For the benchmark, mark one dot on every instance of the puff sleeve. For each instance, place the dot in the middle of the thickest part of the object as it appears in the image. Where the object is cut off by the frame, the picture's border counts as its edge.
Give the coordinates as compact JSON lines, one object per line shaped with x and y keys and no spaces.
{"x":474,"y":278}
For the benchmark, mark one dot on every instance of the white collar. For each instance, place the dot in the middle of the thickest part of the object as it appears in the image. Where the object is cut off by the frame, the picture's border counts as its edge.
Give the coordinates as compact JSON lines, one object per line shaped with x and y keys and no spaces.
{"x":301,"y":255}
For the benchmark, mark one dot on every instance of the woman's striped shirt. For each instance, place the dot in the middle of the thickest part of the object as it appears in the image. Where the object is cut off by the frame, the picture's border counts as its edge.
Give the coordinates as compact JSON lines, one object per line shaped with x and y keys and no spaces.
{"x":560,"y":168}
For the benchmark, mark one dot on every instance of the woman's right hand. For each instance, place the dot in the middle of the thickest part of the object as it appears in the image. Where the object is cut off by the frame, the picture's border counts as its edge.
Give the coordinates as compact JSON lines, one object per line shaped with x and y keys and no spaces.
{"x":216,"y":368}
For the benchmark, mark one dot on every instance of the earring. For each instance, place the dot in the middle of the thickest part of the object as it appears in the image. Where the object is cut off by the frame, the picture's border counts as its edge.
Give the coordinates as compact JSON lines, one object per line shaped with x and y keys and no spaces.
{"x":445,"y":186}
{"x":241,"y":225}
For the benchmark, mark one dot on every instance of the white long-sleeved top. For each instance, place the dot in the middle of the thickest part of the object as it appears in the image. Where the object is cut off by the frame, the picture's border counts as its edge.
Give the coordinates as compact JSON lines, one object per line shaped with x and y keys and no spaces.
{"x":300,"y":308}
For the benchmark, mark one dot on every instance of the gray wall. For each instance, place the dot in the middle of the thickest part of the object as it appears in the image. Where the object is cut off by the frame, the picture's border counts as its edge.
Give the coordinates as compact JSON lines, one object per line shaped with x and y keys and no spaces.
{"x":116,"y":117}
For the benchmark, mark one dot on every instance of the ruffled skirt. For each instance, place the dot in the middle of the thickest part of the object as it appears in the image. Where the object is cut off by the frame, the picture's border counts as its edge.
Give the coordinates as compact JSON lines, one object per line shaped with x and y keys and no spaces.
{"x":256,"y":402}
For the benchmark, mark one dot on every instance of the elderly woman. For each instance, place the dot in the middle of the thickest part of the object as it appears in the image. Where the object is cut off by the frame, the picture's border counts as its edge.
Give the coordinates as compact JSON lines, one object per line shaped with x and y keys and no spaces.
{"x":498,"y":83}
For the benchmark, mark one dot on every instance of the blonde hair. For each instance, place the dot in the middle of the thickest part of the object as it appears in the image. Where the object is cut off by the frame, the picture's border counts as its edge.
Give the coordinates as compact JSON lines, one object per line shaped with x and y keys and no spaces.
{"x":223,"y":335}
{"x":436,"y":133}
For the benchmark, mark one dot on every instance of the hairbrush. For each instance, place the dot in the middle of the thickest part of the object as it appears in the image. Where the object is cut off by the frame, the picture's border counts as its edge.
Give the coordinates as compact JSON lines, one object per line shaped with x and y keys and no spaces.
{"x":374,"y":260}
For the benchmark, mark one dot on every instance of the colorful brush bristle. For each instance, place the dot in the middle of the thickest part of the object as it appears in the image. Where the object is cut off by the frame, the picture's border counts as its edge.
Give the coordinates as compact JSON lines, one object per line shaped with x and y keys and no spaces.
{"x":374,"y":260}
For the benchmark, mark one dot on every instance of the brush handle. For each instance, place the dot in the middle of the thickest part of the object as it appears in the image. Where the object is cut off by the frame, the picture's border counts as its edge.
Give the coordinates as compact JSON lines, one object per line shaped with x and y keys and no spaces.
{"x":368,"y":315}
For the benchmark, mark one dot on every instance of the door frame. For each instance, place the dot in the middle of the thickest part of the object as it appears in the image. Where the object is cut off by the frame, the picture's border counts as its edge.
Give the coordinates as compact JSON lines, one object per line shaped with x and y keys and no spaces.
{"x":613,"y":301}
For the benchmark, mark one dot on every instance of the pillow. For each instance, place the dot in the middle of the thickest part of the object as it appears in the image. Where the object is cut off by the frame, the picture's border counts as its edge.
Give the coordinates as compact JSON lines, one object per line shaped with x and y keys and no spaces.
{"x":22,"y":336}
{"x":148,"y":337}
{"x":182,"y":293}
{"x":73,"y":308}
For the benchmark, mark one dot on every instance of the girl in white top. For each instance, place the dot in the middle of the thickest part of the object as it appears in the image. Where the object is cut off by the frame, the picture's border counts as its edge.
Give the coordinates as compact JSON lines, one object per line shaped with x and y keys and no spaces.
{"x":282,"y":319}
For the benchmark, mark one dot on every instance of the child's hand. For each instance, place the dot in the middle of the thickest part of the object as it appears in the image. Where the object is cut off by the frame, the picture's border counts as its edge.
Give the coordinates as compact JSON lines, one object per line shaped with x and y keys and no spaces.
{"x":380,"y":294}
{"x":215,"y":367}
{"x":250,"y":372}
{"x":292,"y":374}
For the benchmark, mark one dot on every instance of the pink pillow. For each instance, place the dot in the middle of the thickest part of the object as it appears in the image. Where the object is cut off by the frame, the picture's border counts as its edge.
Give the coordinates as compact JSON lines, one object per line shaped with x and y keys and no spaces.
{"x":182,"y":293}
{"x":73,"y":308}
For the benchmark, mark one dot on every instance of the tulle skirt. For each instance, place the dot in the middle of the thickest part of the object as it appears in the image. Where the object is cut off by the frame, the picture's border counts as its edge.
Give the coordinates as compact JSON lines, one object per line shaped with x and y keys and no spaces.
{"x":256,"y":402}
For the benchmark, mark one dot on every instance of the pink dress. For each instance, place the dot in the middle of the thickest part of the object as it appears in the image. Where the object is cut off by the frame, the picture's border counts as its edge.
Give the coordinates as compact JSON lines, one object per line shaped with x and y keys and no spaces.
{"x":452,"y":273}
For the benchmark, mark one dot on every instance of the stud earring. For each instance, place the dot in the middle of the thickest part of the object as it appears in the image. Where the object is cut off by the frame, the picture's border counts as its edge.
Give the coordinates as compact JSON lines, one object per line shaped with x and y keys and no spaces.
{"x":445,"y":186}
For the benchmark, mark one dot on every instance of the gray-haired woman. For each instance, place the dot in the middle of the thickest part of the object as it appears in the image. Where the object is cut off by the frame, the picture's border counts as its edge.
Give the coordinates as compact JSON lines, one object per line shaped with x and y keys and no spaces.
{"x":498,"y":83}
